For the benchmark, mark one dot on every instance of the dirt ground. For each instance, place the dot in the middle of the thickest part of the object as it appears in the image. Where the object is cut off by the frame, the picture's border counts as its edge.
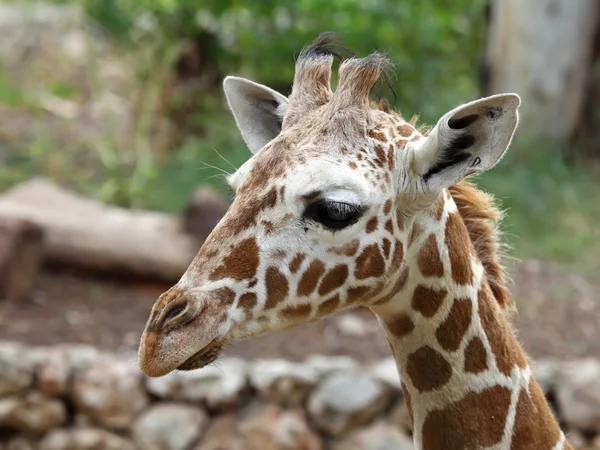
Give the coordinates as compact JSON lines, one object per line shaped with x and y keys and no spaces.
{"x":559,"y":315}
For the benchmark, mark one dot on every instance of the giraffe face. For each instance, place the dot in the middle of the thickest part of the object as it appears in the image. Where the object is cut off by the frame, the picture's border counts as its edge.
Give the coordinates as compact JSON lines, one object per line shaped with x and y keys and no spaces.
{"x":318,"y":221}
{"x":313,"y":229}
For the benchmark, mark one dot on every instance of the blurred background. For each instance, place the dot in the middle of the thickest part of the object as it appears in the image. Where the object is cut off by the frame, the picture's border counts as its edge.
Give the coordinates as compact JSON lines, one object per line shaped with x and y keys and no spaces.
{"x":114,"y":139}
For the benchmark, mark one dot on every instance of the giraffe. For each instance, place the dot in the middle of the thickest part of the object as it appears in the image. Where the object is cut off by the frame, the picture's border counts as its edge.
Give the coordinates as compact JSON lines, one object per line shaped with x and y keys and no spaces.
{"x":346,"y":204}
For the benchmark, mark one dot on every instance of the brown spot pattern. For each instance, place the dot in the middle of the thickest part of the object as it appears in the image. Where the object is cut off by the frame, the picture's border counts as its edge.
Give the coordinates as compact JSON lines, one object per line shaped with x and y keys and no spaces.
{"x":400,"y":220}
{"x":386,"y":248}
{"x":535,"y":425}
{"x":504,"y":344}
{"x":310,"y":278}
{"x":428,"y":369}
{"x":356,"y":294}
{"x":247,"y":301}
{"x":225,"y":295}
{"x":277,"y":287}
{"x":459,"y":244}
{"x":405,"y":130}
{"x":369,"y":263}
{"x":427,"y":301}
{"x":475,"y":421}
{"x":378,"y":135}
{"x":296,"y":312}
{"x":297,"y":262}
{"x":381,"y":156}
{"x":240,"y":264}
{"x":349,"y":249}
{"x":389,"y":226}
{"x":391,"y":157}
{"x":372,"y":224}
{"x":401,"y":325}
{"x":329,"y":306}
{"x":387,"y":207}
{"x":451,"y":332}
{"x":334,"y":279}
{"x":352,"y":165}
{"x":244,"y":216}
{"x":475,"y":356}
{"x":429,"y":261}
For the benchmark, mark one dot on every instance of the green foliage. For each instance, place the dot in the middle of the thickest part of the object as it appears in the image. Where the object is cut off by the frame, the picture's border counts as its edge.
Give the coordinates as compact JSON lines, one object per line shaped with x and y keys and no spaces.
{"x":550,"y":213}
{"x":435,"y":45}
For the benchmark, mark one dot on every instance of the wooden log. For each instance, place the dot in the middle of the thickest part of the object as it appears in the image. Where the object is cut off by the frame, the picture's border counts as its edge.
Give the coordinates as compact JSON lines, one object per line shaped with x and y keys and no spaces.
{"x":543,"y":51}
{"x":21,"y":252}
{"x":87,"y":234}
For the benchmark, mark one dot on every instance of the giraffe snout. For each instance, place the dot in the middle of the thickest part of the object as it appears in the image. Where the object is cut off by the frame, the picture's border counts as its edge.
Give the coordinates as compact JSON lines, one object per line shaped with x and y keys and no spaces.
{"x":173,"y":308}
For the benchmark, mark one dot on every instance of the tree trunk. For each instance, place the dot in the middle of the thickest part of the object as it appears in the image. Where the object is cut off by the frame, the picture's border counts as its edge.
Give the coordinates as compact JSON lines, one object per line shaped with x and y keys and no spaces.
{"x":84,"y":233}
{"x":543,"y":51}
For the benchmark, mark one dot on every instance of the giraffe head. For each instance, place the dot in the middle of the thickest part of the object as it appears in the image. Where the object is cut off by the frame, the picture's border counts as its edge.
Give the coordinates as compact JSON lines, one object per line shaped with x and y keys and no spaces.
{"x":319,"y":218}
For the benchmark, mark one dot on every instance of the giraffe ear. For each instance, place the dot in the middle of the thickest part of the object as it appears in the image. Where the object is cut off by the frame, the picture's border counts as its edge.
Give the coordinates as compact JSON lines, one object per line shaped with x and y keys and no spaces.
{"x":471,"y":138}
{"x":257,"y":109}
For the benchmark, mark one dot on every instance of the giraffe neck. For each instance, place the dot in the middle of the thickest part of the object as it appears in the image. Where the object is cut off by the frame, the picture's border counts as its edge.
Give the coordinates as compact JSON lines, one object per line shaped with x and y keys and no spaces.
{"x":466,"y":378}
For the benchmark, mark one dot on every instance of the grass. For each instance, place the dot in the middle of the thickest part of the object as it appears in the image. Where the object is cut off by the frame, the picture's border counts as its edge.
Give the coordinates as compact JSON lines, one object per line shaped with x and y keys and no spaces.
{"x":552,"y":211}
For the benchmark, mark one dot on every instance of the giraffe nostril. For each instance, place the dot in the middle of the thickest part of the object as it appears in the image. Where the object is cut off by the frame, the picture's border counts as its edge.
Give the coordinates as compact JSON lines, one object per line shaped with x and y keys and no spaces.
{"x":174,"y":312}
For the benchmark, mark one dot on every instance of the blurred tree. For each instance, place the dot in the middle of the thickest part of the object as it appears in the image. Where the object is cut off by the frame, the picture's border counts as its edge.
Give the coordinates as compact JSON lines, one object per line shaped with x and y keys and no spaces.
{"x":435,"y":44}
{"x":544,"y":50}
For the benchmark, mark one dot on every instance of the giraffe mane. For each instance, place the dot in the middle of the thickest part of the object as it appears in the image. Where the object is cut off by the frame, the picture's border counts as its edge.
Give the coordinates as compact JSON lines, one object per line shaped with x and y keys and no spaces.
{"x":482,"y":218}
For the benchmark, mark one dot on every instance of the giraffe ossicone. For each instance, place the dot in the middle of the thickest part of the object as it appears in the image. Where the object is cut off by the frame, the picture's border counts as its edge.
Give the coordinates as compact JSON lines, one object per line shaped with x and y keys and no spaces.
{"x":344,"y":203}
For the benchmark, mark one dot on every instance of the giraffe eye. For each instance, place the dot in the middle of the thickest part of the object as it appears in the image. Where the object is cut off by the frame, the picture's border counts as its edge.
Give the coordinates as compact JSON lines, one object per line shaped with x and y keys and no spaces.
{"x":333,"y":215}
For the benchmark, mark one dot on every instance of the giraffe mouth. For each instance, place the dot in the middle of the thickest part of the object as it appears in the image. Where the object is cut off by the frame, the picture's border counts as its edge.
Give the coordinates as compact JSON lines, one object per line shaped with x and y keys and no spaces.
{"x":203,"y":358}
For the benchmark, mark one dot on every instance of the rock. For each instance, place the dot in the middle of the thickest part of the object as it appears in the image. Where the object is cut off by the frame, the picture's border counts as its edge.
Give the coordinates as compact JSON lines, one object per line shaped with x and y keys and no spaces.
{"x":262,"y":427}
{"x":269,"y":427}
{"x":578,"y":393}
{"x":19,"y":443}
{"x":400,"y":417}
{"x":346,"y":400}
{"x":169,"y":426}
{"x":219,"y":387}
{"x":325,"y":365}
{"x":577,"y":440}
{"x":81,"y":358}
{"x":54,"y":375}
{"x":110,"y":394}
{"x":379,"y":436}
{"x":387,"y":372}
{"x":32,"y":413}
{"x":84,"y":439}
{"x":352,"y":324}
{"x":283,"y":382}
{"x":222,"y":434}
{"x":21,"y":251}
{"x":545,"y":372}
{"x":16,"y":368}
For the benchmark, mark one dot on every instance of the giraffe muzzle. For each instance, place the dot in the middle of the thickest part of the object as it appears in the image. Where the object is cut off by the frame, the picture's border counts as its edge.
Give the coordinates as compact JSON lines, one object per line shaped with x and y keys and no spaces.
{"x":204,"y":357}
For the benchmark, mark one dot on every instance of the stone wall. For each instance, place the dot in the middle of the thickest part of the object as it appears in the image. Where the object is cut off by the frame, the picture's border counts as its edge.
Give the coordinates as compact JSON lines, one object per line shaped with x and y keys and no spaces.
{"x":73,"y":397}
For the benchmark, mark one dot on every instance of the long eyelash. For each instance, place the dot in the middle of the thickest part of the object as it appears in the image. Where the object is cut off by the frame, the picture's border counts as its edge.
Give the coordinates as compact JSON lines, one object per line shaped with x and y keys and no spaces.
{"x":341,"y":207}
